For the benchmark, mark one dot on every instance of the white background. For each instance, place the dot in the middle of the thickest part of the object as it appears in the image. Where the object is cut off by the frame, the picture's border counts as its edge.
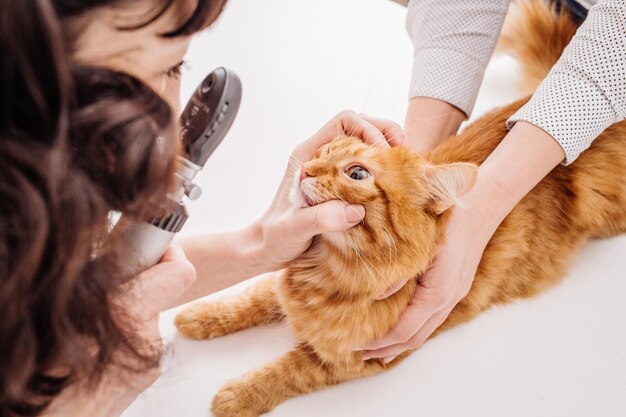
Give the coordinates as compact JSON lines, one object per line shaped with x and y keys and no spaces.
{"x":301,"y":62}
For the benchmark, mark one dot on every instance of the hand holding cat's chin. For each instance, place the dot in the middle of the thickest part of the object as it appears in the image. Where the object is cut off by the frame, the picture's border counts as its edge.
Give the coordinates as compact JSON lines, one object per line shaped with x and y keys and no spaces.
{"x":447,"y":281}
{"x":284,"y":234}
{"x":286,"y":230}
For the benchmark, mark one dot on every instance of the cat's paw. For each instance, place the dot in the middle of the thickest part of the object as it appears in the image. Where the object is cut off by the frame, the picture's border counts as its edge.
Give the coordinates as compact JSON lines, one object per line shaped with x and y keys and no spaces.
{"x":202,"y":321}
{"x":236,"y":399}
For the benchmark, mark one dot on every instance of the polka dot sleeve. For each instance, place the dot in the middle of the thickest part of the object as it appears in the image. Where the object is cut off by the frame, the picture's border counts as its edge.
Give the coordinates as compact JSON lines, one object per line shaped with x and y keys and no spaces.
{"x":585,"y":91}
{"x":453,"y":42}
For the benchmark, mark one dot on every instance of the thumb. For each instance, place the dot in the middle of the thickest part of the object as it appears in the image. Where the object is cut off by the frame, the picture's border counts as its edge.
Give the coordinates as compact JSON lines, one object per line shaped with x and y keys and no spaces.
{"x":157,"y":288}
{"x":391,"y":290}
{"x":331,"y":216}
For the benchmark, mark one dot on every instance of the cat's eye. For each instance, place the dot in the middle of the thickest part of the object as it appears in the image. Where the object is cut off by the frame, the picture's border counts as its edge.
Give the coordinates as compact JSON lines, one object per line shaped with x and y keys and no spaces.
{"x":357,"y":173}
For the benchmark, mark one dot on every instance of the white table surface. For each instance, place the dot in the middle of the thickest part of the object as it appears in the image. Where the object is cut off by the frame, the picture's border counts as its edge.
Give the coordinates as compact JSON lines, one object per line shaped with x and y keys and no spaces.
{"x":560,"y":354}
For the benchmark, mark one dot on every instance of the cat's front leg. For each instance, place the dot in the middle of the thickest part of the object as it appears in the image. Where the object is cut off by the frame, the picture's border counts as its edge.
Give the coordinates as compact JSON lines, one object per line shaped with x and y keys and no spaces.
{"x":298,"y":372}
{"x":258,"y":305}
{"x":239,"y":398}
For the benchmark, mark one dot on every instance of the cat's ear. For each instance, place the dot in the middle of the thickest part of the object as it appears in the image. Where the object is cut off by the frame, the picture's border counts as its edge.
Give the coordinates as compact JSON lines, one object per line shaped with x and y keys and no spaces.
{"x":446,"y":183}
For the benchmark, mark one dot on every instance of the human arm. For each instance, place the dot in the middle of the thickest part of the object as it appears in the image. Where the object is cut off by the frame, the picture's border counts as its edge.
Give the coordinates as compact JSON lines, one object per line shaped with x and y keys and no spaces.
{"x":584,"y":92}
{"x":453,"y":42}
{"x":429,"y":121}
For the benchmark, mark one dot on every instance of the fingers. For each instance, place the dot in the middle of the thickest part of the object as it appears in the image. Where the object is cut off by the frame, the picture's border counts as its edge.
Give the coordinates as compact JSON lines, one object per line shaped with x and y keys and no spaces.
{"x":331,"y":216}
{"x":391,"y":290}
{"x":393,"y":132}
{"x":157,"y":288}
{"x":389,"y":353}
{"x":414,"y":317}
{"x":428,"y":329}
{"x":346,"y":122}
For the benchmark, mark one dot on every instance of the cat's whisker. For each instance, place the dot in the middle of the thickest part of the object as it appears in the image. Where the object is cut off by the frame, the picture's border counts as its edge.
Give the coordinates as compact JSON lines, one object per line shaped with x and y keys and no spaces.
{"x":388,"y":271}
{"x":359,"y":256}
{"x":395,"y":136}
{"x":351,"y":131}
{"x":294,"y":163}
{"x":340,"y":130}
{"x":374,"y":146}
{"x":392,"y":137}
{"x":391,"y":268}
{"x":352,"y":245}
{"x":368,"y":266}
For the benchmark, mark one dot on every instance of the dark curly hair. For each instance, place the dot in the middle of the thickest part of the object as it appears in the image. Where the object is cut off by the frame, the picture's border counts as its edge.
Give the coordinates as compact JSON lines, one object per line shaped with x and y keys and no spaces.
{"x":76,"y":143}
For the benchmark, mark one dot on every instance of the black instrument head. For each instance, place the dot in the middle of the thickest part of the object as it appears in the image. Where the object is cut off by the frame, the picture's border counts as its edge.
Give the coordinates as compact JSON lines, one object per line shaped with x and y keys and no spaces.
{"x":209,"y":114}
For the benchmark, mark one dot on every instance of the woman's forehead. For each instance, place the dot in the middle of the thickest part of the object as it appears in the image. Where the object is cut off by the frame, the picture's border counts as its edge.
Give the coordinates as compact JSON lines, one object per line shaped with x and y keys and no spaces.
{"x":157,"y":15}
{"x":140,"y":51}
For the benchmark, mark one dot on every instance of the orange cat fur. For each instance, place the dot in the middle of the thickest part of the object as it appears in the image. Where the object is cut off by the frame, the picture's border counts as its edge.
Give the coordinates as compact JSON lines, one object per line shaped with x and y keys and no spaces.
{"x":327,"y":294}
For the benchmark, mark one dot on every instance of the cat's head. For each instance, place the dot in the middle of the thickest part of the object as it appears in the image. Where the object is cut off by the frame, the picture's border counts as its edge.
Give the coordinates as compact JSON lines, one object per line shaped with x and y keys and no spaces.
{"x":403,"y":194}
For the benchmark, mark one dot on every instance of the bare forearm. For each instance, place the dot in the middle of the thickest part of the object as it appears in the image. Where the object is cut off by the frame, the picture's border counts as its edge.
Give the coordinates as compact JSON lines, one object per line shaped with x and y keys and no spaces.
{"x":525,"y":156}
{"x":223,"y":260}
{"x":429,"y":122}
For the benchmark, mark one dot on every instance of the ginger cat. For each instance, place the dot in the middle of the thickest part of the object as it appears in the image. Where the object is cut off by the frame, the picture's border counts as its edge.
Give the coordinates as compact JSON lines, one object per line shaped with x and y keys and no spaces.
{"x":327,"y":294}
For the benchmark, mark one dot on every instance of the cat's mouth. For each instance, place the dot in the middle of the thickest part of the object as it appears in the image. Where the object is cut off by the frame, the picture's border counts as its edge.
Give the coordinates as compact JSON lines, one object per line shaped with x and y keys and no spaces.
{"x":301,"y":198}
{"x":308,"y":193}
{"x":309,"y":201}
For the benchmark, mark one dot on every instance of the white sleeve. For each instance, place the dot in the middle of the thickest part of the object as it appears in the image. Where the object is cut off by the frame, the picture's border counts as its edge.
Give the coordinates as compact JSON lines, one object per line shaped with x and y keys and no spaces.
{"x":453,"y":40}
{"x":585,"y":92}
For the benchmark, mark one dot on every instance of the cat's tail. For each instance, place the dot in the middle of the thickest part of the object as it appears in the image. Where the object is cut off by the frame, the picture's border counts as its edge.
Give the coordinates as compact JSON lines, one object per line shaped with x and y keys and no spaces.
{"x":536,"y":33}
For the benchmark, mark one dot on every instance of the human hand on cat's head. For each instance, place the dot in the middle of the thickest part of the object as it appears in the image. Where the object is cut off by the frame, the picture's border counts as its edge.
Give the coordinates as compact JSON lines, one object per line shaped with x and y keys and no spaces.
{"x":446,"y":282}
{"x":285,"y":230}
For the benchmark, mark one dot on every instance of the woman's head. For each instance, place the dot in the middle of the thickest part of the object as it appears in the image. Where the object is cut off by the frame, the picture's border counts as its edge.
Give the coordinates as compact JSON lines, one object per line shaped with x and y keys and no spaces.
{"x":87,"y":88}
{"x":146,"y":39}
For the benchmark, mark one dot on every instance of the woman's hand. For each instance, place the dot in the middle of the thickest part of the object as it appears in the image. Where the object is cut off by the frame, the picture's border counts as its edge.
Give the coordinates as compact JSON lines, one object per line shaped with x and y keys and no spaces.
{"x":286,"y":231}
{"x":447,"y":281}
{"x":142,"y":301}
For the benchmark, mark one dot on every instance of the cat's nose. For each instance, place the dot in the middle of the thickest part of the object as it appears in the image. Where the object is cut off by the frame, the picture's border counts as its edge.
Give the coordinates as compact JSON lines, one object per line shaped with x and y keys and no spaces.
{"x":304,"y":173}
